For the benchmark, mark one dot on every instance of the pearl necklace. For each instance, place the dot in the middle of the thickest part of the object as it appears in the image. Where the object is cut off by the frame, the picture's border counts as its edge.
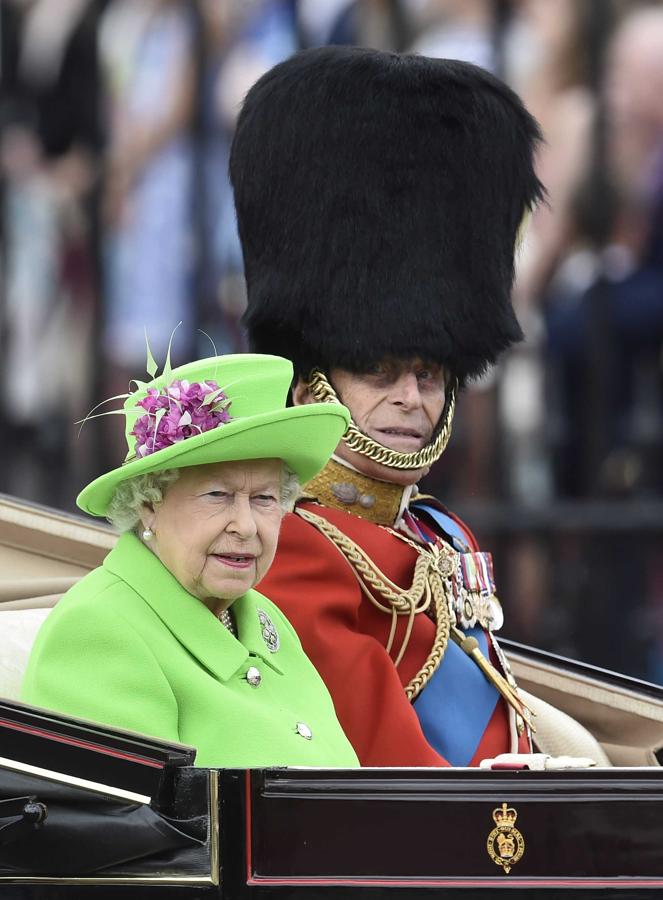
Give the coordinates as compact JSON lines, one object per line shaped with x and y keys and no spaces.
{"x":225,"y":617}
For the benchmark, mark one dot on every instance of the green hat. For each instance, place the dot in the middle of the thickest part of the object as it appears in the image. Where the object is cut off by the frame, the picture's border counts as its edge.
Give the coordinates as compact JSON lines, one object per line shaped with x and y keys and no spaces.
{"x":217,"y":410}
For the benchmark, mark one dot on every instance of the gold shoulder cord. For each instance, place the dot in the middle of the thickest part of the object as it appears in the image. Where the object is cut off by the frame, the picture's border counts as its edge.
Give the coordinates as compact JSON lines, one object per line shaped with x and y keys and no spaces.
{"x":433,"y":568}
{"x":433,"y":571}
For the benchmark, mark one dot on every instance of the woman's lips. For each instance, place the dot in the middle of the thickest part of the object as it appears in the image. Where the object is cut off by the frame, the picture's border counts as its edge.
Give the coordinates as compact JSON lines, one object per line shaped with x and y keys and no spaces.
{"x":235,"y":560}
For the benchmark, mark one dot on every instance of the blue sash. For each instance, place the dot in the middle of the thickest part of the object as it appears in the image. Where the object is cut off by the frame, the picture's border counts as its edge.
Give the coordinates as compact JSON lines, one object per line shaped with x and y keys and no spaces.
{"x":450,"y":527}
{"x":456,"y":705}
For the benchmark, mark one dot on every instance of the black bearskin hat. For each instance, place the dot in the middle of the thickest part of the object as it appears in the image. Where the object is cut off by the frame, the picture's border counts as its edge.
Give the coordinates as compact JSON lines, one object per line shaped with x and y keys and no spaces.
{"x":379,"y":197}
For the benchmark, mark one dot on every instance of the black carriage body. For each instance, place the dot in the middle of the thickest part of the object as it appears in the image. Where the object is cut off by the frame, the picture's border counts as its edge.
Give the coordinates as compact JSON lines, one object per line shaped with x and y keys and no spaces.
{"x":297,"y":833}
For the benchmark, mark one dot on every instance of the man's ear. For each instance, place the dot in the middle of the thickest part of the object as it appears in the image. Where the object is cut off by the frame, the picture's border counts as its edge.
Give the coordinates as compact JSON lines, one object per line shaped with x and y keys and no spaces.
{"x":301,"y":395}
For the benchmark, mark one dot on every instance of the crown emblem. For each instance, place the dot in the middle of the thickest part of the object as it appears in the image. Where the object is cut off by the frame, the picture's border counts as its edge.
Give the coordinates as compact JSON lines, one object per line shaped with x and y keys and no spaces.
{"x":505,"y":844}
{"x":505,"y":815}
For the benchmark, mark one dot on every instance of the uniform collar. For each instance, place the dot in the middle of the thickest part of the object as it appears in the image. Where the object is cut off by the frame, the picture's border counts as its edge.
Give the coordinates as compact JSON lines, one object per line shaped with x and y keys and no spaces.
{"x":341,"y":486}
{"x":192,"y":623}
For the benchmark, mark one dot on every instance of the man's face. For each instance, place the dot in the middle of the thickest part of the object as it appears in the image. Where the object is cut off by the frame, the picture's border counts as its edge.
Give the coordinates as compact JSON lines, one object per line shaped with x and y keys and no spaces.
{"x":398,"y":405}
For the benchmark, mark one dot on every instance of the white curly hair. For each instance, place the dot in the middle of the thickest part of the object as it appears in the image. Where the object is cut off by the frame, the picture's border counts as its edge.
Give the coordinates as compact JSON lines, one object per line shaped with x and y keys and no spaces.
{"x":124,"y":510}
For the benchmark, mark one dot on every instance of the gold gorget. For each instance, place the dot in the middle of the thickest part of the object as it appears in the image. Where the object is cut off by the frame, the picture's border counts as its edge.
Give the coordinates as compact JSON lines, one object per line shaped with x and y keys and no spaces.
{"x":340,"y":487}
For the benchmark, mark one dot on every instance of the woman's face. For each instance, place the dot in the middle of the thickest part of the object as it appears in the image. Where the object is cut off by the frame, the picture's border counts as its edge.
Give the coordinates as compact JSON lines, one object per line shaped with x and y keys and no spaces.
{"x":217,"y":527}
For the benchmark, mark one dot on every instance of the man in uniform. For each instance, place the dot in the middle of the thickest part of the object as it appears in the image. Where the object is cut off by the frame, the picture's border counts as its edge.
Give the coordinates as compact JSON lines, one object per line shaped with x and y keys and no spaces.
{"x":379,"y":198}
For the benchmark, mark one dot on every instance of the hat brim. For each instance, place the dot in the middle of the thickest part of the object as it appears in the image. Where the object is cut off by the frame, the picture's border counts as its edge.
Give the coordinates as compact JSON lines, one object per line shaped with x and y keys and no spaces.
{"x":304,"y":437}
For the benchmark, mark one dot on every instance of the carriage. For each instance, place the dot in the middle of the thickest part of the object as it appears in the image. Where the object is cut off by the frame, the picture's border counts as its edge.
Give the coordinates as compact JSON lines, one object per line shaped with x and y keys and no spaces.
{"x":88,"y":811}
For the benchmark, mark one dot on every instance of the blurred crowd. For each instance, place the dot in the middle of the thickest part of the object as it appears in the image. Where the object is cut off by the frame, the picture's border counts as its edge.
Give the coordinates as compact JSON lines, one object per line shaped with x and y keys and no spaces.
{"x":116,"y":219}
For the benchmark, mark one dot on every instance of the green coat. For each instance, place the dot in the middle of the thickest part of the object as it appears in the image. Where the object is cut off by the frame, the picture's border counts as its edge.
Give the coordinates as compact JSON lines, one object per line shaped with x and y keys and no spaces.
{"x":129,"y":647}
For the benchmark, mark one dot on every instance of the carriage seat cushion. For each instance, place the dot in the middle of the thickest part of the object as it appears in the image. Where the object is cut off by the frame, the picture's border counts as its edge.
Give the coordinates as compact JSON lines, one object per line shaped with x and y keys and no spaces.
{"x":18,"y":630}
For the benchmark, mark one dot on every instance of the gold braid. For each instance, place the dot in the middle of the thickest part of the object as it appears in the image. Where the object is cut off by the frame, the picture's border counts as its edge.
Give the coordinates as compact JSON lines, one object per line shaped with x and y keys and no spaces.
{"x":322,"y":392}
{"x":432,"y":570}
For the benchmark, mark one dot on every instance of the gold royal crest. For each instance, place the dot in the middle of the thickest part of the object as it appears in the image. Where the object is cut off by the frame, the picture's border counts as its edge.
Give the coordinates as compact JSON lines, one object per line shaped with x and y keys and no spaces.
{"x":505,"y":843}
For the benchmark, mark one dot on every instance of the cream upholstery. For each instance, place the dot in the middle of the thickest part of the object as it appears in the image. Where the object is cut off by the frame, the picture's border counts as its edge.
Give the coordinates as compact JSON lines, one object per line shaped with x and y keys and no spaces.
{"x":18,"y":630}
{"x":42,"y":554}
{"x":627,"y":723}
{"x":559,"y":735}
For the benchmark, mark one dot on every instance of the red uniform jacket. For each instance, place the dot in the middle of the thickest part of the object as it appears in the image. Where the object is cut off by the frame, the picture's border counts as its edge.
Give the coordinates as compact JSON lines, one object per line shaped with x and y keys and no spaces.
{"x":345,"y":636}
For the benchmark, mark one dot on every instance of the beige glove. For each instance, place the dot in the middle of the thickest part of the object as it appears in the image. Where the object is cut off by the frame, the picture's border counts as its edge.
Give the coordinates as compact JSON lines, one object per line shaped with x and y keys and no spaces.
{"x":536,"y":762}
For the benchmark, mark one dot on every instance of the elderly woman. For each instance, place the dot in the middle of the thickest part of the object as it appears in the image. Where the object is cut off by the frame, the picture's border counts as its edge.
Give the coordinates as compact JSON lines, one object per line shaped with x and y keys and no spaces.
{"x":168,"y":637}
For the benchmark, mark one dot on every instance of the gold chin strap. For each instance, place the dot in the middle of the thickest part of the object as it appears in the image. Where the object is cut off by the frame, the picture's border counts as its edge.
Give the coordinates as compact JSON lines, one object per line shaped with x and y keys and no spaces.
{"x":322,"y":392}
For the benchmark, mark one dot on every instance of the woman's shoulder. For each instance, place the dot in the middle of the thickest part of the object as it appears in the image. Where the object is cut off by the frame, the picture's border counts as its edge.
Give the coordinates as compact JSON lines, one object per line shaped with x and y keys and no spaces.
{"x":94,"y":595}
{"x":93,"y":584}
{"x":99,"y":614}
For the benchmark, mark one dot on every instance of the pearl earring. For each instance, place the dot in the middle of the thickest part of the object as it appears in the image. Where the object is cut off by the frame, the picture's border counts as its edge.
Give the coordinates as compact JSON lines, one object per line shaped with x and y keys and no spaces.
{"x":148,"y":534}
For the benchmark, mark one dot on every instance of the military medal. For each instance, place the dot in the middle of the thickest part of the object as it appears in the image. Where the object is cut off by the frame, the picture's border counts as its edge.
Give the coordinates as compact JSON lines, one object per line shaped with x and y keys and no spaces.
{"x":472,"y":599}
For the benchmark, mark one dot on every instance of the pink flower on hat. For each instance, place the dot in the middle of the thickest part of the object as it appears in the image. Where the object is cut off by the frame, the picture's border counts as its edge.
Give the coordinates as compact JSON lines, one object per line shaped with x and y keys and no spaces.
{"x":177,"y":412}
